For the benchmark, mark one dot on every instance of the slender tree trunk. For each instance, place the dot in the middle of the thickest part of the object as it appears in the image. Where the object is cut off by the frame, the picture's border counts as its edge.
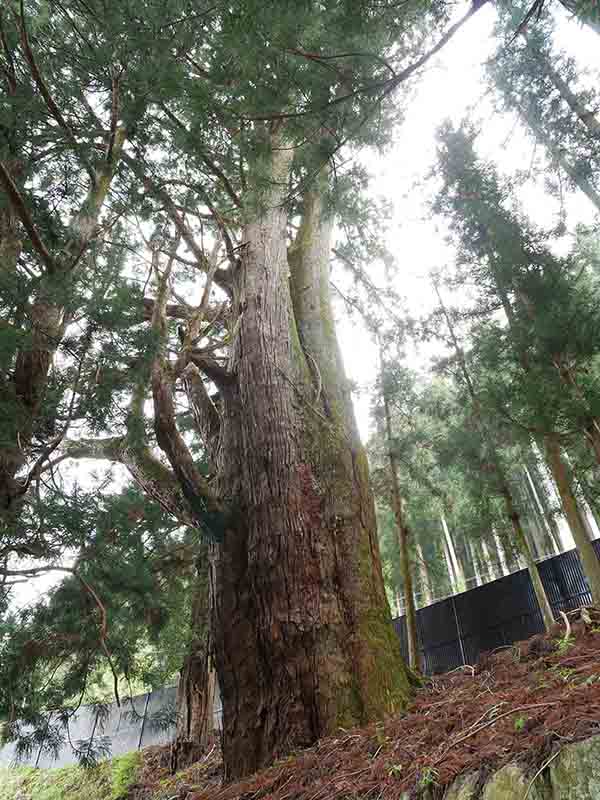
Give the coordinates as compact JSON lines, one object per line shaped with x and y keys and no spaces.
{"x":399,"y":606}
{"x":475,"y":566}
{"x":303,"y":636}
{"x":585,"y":116}
{"x":511,"y":510}
{"x":525,"y":550}
{"x":541,"y":495}
{"x":425,"y":584}
{"x":561,"y":474}
{"x":538,"y":512}
{"x":456,"y":565}
{"x":561,"y":159}
{"x":453,"y":580}
{"x":592,"y":508}
{"x":402,"y":537}
{"x":501,"y":553}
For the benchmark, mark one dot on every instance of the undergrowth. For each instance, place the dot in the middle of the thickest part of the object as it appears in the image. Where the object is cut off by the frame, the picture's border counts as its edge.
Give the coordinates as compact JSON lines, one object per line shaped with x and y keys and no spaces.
{"x":109,"y":780}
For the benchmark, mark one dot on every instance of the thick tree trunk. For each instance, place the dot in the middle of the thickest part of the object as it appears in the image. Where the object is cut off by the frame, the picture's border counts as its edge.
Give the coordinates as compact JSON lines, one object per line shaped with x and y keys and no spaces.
{"x":561,"y":474}
{"x":303,"y":637}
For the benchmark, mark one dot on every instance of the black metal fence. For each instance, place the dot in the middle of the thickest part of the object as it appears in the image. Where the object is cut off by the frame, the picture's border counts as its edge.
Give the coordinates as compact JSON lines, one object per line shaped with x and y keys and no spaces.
{"x":456,"y":630}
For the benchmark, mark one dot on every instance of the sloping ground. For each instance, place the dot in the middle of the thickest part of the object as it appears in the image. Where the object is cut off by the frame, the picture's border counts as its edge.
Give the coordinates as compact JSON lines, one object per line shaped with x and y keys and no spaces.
{"x":521,"y":704}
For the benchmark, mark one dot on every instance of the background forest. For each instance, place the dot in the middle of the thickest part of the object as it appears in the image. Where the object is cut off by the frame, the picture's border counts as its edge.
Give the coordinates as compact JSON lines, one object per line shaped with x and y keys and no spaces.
{"x":467,"y":303}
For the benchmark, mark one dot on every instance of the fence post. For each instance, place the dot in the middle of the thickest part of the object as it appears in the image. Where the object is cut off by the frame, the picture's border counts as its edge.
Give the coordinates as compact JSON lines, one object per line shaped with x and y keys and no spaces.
{"x":139,"y":747}
{"x":458,"y":631}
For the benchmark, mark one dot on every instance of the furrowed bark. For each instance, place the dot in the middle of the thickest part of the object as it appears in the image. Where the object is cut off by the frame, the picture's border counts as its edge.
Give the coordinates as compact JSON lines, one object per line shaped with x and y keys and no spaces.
{"x":303,"y":638}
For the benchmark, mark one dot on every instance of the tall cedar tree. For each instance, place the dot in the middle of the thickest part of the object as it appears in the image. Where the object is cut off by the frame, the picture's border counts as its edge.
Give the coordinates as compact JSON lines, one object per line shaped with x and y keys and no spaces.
{"x":221,"y":125}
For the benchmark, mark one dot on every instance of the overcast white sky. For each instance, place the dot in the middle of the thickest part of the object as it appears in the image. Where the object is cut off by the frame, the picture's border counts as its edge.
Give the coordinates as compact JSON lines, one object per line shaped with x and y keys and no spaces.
{"x":452,"y":86}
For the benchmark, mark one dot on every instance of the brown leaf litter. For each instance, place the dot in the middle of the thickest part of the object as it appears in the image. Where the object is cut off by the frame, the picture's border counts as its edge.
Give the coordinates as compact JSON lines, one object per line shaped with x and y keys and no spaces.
{"x":521,"y":703}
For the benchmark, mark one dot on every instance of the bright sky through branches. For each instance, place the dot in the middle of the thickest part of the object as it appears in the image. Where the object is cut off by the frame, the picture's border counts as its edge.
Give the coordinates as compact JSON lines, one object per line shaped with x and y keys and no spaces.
{"x":453,"y":86}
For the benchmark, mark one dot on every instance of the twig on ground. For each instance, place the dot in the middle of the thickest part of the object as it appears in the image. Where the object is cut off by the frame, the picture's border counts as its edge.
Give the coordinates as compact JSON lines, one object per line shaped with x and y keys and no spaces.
{"x":539,"y":772}
{"x":463,"y":666}
{"x":487,"y":724}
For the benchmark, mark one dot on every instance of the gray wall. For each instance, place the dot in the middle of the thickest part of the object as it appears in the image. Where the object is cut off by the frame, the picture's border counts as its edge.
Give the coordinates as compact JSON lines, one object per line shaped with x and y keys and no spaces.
{"x":124,"y":731}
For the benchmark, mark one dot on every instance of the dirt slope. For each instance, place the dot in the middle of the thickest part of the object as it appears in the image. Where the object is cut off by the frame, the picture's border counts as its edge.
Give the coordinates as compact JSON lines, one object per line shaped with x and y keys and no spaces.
{"x":521,"y":703}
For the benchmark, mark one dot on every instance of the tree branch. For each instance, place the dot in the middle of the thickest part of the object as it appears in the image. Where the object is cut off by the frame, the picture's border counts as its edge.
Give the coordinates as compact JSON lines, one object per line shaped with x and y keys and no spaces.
{"x":221,"y":277}
{"x":43,"y":89}
{"x":213,"y":370}
{"x":150,"y":474}
{"x":206,"y":415}
{"x":22,"y":212}
{"x":214,"y":168}
{"x":387,"y":86}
